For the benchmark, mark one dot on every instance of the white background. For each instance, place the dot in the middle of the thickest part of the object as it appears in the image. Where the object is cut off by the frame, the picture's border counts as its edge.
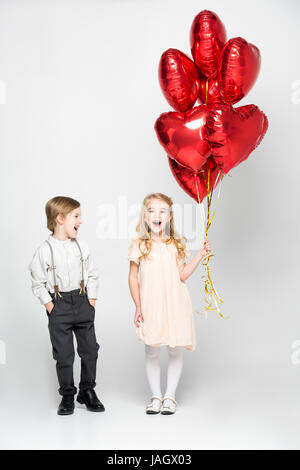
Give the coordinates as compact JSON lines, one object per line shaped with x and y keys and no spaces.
{"x":80,"y":95}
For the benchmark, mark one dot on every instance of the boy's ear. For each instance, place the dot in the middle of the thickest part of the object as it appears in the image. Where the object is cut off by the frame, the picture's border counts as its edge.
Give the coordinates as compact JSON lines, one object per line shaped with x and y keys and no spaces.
{"x":59,"y":219}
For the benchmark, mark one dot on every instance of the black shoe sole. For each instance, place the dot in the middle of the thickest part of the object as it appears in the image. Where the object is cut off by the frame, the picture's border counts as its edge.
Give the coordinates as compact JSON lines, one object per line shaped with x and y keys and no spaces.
{"x":64,"y":413}
{"x":82,"y":402}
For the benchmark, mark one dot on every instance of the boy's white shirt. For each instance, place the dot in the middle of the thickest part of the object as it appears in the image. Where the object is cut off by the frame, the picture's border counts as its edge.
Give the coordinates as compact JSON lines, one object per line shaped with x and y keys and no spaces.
{"x":68,"y":269}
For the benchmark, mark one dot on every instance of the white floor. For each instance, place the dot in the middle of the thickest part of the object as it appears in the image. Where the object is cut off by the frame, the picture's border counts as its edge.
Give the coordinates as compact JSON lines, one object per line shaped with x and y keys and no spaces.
{"x":233,"y":413}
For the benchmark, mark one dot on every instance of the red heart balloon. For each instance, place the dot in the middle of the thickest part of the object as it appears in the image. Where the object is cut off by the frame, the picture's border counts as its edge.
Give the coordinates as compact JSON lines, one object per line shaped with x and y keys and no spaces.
{"x":207,"y":38}
{"x":179,"y":80}
{"x":195,"y":183}
{"x":234,"y":133}
{"x":238,"y":67}
{"x":183,"y":136}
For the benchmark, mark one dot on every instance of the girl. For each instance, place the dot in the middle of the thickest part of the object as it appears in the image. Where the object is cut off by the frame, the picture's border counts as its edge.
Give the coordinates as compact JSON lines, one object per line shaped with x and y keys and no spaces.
{"x":164,"y":314}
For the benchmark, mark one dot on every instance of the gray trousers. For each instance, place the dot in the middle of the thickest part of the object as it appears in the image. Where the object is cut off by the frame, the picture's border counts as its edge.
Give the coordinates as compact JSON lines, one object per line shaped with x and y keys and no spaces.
{"x":73,"y":314}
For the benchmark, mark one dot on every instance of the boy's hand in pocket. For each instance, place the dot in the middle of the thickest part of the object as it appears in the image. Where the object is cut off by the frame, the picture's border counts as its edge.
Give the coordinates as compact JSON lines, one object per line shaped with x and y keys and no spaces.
{"x":49,"y":306}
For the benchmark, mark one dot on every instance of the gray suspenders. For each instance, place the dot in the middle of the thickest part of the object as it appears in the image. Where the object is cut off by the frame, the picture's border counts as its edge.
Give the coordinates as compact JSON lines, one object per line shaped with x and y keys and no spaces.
{"x":53,"y":267}
{"x":82,"y":286}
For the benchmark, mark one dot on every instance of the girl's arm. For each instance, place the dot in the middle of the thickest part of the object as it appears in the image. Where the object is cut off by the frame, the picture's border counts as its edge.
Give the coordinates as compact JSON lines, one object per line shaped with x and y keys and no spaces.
{"x":187,"y":269}
{"x":135,"y":291}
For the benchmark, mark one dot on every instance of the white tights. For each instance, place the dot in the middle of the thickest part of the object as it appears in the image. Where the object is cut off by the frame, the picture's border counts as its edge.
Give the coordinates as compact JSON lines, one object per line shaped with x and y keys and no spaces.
{"x":153,"y":369}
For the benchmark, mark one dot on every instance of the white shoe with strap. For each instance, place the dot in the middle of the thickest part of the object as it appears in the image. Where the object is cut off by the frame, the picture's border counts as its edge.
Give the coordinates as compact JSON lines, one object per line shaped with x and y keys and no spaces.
{"x":169,"y":405}
{"x":154,"y":406}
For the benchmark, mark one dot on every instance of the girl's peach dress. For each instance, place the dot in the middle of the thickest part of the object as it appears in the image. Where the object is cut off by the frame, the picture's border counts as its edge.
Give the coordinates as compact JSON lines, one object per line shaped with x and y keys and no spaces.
{"x":165,"y":301}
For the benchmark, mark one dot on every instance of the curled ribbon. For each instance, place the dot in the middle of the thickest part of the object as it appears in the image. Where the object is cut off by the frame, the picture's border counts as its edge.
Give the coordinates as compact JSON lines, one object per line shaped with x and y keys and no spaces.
{"x":211,"y":295}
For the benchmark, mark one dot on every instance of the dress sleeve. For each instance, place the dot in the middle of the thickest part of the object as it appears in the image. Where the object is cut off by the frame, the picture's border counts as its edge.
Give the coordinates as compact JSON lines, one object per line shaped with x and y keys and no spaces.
{"x":133,"y":252}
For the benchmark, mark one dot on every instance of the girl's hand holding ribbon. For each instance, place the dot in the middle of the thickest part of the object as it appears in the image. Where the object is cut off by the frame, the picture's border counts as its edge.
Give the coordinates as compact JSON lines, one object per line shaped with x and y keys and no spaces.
{"x":206,"y":248}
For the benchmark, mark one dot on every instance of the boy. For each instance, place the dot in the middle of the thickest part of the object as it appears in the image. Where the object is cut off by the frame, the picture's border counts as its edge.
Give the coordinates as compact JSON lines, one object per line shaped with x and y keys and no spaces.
{"x":65,"y":281}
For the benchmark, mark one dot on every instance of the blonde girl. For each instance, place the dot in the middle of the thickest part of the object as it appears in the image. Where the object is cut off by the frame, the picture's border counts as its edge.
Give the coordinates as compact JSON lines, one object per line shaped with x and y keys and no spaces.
{"x":164,"y":314}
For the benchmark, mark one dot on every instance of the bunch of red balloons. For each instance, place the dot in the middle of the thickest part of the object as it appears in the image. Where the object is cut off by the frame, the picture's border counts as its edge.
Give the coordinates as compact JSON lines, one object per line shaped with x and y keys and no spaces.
{"x":213,"y":137}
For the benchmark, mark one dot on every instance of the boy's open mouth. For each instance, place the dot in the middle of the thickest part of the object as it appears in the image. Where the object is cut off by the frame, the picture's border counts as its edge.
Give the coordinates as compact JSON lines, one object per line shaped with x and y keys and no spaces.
{"x":76,"y":228}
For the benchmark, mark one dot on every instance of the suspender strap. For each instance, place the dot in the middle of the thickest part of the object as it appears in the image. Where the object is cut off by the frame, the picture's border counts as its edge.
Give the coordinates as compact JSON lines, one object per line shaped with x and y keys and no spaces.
{"x":82,"y":287}
{"x":53,"y":267}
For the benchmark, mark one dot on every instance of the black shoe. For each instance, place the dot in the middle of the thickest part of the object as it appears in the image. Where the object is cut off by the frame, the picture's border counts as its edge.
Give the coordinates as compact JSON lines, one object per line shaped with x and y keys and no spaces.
{"x":90,"y":400}
{"x":66,"y":406}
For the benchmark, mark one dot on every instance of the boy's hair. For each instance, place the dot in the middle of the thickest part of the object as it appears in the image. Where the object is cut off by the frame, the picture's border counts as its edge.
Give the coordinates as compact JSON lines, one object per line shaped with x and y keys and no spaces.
{"x":59,"y":205}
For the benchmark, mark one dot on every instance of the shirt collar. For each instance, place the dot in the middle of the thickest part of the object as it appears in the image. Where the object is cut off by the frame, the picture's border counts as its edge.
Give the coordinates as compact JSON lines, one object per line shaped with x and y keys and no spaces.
{"x":60,"y":242}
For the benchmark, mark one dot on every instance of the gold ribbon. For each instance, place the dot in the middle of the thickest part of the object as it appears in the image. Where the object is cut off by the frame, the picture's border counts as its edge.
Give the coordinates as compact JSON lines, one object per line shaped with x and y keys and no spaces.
{"x":211,"y":295}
